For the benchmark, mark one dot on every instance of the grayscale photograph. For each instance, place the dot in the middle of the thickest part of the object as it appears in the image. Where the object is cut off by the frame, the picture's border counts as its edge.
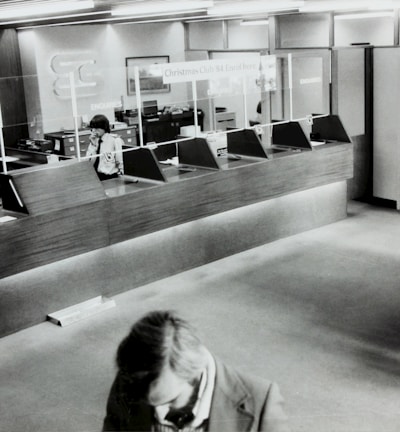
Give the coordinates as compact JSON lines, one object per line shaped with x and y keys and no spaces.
{"x":199,"y":215}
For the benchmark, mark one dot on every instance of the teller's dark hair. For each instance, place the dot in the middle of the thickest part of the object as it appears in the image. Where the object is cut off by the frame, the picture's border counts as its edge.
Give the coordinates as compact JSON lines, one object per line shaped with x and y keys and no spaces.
{"x":159,"y":339}
{"x":100,"y":121}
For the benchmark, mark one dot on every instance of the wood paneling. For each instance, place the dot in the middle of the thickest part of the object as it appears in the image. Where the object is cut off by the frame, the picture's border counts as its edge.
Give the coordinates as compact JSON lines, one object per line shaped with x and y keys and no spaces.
{"x":12,"y":96}
{"x":49,"y":188}
{"x":170,"y":204}
{"x":33,"y":241}
{"x":83,"y":218}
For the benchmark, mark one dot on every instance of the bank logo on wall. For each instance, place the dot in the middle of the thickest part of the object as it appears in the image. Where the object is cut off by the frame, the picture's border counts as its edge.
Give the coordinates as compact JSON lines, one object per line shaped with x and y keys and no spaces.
{"x":87,"y":77}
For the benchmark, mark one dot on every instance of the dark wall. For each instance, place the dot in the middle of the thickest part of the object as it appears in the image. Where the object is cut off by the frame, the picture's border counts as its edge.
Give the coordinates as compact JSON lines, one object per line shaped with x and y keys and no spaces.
{"x":12,"y":96}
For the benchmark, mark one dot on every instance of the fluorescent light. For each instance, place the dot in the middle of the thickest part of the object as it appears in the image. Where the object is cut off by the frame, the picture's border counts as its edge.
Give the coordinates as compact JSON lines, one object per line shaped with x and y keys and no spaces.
{"x":43,"y":8}
{"x":104,"y":21}
{"x":156,"y":15}
{"x":95,"y":21}
{"x":338,"y":5}
{"x":259,"y":22}
{"x":151,"y":21}
{"x":160,"y":7}
{"x":325,"y":6}
{"x":249,"y":7}
{"x":29,"y":20}
{"x":384,"y":4}
{"x":363,"y":15}
{"x":206,"y":19}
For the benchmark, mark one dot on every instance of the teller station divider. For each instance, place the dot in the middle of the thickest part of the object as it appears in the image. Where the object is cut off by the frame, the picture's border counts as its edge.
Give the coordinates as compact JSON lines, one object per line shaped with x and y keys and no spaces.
{"x":193,"y":157}
{"x":171,"y":194}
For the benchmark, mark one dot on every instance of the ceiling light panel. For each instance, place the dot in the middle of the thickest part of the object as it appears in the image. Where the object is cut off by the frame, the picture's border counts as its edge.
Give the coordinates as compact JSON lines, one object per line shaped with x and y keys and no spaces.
{"x":260,"y":22}
{"x":343,"y":5}
{"x":91,"y":15}
{"x":249,"y":7}
{"x":363,"y":15}
{"x":327,"y":5}
{"x":160,"y":7}
{"x":35,"y":8}
{"x":383,"y":4}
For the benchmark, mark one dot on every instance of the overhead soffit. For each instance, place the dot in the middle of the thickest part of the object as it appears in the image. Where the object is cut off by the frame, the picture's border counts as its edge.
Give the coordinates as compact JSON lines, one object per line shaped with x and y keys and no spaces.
{"x":101,"y":12}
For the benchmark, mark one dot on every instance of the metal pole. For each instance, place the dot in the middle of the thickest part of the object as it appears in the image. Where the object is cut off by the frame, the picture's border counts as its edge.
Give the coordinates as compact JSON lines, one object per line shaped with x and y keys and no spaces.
{"x":290,"y":71}
{"x":246,"y":122}
{"x":75,"y":114}
{"x":138,"y":103}
{"x":196,"y":120}
{"x":3,"y":151}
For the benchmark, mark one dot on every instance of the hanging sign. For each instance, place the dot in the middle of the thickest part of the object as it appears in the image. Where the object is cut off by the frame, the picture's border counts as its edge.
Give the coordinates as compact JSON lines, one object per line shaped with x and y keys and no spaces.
{"x":210,"y":69}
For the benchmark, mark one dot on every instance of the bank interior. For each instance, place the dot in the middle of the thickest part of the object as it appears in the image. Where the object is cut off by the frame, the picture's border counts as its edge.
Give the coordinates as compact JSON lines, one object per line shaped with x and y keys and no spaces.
{"x":259,"y":198}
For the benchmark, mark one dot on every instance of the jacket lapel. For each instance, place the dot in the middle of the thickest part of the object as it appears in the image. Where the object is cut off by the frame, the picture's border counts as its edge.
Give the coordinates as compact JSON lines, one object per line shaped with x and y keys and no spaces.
{"x":232,"y":407}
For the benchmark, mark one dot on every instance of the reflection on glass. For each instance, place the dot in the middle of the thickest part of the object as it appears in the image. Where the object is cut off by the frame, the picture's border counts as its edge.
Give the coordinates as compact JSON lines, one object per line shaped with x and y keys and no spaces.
{"x":280,"y":100}
{"x":302,"y":85}
{"x":309,"y":87}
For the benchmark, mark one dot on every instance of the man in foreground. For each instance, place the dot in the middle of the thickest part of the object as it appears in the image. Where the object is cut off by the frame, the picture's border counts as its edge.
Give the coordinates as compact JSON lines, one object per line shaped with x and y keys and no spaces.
{"x":168,"y":381}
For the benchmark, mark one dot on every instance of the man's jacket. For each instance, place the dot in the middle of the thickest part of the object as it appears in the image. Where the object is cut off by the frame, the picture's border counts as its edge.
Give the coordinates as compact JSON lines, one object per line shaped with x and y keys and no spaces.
{"x":240,"y":403}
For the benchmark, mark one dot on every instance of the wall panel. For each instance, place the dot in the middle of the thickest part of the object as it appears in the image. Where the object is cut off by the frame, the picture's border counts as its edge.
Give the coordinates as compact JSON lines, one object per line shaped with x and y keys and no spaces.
{"x":12,"y":96}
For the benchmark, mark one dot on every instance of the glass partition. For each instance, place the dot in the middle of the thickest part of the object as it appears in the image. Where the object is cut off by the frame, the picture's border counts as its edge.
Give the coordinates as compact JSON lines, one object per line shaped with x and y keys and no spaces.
{"x":305,"y":81}
{"x":310,"y":76}
{"x":152,"y":101}
{"x":26,"y":113}
{"x":237,"y":94}
{"x":280,"y":98}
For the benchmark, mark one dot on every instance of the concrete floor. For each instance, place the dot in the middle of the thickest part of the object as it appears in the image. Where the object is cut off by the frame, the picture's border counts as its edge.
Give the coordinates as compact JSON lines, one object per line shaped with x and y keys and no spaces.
{"x":317,"y":312}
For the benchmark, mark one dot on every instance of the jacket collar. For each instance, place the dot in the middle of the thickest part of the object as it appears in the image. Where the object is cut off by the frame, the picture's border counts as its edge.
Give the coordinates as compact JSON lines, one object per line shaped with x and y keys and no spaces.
{"x":233,"y":406}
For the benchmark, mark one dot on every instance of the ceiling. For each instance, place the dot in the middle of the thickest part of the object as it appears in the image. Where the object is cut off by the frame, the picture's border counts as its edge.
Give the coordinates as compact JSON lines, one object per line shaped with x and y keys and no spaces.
{"x":42,"y":14}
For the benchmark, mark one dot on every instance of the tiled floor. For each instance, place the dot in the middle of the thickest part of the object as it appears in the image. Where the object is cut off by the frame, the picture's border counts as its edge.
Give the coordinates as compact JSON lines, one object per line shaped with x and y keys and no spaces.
{"x":317,"y":312}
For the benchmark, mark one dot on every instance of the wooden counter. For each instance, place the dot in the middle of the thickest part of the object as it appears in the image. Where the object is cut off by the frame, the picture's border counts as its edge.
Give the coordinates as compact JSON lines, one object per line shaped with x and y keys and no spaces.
{"x":135,"y":214}
{"x":80,"y":217}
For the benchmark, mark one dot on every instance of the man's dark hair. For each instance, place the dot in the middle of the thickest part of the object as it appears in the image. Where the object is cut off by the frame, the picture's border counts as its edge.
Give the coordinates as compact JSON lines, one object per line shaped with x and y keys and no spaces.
{"x":159,"y":339}
{"x":100,"y":121}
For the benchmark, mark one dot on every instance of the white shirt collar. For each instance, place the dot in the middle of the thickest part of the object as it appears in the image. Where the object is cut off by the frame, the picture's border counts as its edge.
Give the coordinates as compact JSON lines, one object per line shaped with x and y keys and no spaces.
{"x":202,"y":407}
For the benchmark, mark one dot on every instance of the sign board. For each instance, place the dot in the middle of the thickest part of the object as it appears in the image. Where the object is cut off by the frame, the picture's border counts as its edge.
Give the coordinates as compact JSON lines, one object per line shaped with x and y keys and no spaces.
{"x":210,"y":69}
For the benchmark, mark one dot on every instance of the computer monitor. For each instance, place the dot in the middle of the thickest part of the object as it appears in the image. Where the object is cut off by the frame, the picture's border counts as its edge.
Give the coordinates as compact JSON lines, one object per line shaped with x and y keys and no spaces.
{"x":329,"y":128}
{"x":290,"y":135}
{"x":150,"y":108}
{"x":246,"y":143}
{"x":142,"y":162}
{"x":166,"y":151}
{"x":196,"y":152}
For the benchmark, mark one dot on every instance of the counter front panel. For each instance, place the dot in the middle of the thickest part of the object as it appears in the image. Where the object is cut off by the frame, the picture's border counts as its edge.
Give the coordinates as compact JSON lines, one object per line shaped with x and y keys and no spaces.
{"x":86,"y":214}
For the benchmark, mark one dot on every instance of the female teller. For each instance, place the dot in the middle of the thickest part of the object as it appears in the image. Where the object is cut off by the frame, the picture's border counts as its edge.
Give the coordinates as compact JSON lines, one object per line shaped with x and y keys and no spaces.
{"x":105,"y":149}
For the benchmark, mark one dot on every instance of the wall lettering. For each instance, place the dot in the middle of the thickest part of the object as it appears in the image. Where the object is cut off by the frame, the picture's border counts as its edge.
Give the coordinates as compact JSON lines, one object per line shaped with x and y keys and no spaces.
{"x":87,"y":76}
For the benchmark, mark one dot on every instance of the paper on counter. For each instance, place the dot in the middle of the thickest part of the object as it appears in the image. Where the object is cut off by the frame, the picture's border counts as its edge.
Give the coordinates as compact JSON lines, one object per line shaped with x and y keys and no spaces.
{"x":7,"y":218}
